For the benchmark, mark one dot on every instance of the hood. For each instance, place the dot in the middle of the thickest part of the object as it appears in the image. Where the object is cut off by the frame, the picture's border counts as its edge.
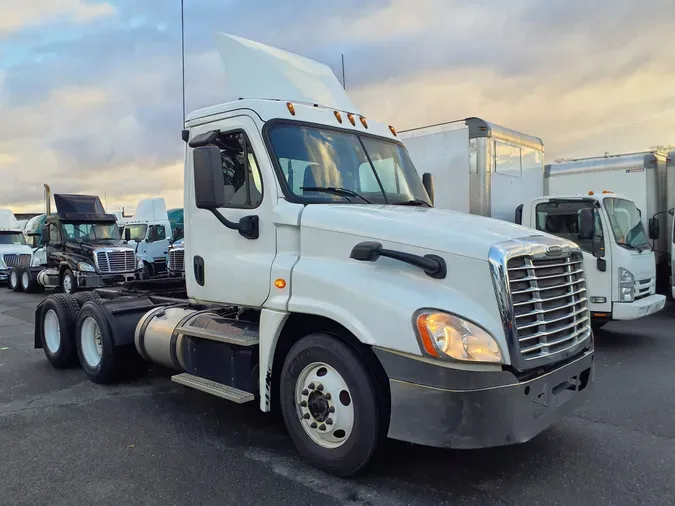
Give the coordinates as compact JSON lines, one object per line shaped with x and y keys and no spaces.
{"x":641,"y":265}
{"x":94,"y":245}
{"x":429,"y":228}
{"x":7,"y":249}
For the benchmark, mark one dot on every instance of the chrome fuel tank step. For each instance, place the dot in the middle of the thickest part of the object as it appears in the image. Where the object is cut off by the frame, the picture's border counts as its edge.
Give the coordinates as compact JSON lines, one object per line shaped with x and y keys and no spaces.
{"x":213,"y":388}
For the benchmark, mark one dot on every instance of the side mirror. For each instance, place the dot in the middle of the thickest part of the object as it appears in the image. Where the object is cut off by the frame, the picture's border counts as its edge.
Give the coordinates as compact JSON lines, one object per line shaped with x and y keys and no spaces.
{"x":586,"y":224}
{"x":127,"y":234}
{"x":519,"y":215}
{"x":45,"y":235}
{"x":654,"y":228}
{"x":177,"y":233}
{"x":209,"y":181}
{"x":428,"y":183}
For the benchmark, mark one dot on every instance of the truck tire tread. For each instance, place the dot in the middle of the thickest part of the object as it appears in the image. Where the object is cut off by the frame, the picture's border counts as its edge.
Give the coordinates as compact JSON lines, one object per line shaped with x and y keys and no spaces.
{"x":66,"y":309}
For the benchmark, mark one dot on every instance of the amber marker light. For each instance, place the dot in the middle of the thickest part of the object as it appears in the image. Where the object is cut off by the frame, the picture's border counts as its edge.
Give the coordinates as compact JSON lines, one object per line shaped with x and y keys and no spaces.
{"x":338,"y":116}
{"x":280,"y":283}
{"x":291,"y":108}
{"x":351,"y":119}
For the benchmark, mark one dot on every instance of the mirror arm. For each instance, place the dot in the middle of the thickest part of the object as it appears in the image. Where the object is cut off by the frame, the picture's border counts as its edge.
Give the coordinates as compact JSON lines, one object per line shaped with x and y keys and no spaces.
{"x":247,"y":226}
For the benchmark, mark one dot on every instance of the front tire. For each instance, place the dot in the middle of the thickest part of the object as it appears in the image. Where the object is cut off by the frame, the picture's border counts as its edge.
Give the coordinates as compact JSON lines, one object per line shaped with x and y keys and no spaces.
{"x":330,"y":404}
{"x":68,"y":282}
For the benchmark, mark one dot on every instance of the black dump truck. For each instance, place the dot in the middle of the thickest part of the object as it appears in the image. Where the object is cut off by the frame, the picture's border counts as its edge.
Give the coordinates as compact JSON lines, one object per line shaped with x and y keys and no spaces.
{"x":83,"y":249}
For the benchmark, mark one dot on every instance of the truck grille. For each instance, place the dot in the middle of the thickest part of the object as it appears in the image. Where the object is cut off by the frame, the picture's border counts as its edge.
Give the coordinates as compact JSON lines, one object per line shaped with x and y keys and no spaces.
{"x":109,"y":262}
{"x":14,"y":260}
{"x":549,"y":303}
{"x":177,"y":260}
{"x":643,"y":288}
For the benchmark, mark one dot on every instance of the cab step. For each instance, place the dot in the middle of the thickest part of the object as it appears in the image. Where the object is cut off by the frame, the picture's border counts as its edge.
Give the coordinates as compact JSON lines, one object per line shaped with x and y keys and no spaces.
{"x":213,"y":388}
{"x":242,"y":339}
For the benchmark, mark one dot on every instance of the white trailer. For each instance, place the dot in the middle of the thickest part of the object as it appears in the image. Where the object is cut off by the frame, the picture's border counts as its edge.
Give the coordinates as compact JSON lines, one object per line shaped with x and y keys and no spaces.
{"x":485,"y":169}
{"x":320,"y":280}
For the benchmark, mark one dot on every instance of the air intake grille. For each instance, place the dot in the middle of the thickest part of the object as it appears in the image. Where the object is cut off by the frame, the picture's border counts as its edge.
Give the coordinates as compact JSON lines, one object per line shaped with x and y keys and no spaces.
{"x":14,"y":260}
{"x":550,"y":304}
{"x":177,"y":260}
{"x":111,"y":262}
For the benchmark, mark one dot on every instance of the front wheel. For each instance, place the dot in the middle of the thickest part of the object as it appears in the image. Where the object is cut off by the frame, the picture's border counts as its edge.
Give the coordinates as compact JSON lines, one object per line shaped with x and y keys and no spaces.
{"x":330,"y":404}
{"x":68,"y":282}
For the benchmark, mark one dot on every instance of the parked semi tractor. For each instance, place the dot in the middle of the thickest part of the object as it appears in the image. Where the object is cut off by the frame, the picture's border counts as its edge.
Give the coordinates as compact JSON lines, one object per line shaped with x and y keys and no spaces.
{"x":493,"y":171}
{"x":148,"y":231}
{"x":648,"y":179}
{"x":14,"y":251}
{"x":81,"y":248}
{"x":321,"y":281}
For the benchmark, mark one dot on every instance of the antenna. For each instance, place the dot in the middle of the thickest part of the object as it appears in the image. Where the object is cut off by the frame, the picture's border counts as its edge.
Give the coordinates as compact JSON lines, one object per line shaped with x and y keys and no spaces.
{"x":182,"y":55}
{"x":344,"y":83}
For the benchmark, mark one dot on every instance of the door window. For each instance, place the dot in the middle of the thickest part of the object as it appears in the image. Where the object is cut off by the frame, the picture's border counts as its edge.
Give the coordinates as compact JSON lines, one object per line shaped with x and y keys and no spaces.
{"x":563,"y":220}
{"x":54,"y":236}
{"x":243,"y":182}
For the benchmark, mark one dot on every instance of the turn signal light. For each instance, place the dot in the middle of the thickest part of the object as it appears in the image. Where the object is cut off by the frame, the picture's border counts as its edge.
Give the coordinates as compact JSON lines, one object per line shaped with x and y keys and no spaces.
{"x":280,"y":283}
{"x":291,"y":108}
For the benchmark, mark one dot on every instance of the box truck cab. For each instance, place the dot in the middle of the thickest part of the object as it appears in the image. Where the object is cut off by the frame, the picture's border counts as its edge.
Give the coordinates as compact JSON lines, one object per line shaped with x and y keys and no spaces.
{"x":148,"y":231}
{"x":617,"y":257}
{"x":321,"y":280}
{"x":14,"y":251}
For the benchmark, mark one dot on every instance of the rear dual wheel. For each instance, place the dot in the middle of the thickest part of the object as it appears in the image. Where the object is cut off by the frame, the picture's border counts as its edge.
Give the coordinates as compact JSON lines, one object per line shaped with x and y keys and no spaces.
{"x":14,"y":280}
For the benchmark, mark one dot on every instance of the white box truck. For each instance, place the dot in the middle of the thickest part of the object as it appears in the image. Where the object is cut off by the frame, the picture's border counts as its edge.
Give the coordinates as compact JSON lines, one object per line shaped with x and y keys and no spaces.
{"x":320,"y":280}
{"x":485,"y":169}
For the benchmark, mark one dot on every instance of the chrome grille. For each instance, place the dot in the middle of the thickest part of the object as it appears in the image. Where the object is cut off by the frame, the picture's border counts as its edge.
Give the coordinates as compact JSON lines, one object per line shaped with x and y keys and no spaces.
{"x":550,"y":304}
{"x":115,"y":261}
{"x":177,"y":260}
{"x":14,"y":260}
{"x":643,"y":288}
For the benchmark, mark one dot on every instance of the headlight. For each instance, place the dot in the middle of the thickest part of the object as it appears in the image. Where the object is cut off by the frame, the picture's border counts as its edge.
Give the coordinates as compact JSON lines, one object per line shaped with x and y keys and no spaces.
{"x":85,"y":267}
{"x":447,"y":336}
{"x":626,"y":285}
{"x":3,"y":265}
{"x":139,"y":263}
{"x":35,"y":261}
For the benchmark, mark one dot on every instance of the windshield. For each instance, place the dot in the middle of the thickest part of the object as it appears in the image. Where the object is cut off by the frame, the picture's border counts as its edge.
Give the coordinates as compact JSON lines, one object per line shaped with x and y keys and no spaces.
{"x":626,"y":222}
{"x":12,"y":238}
{"x":137,"y":232}
{"x":91,"y":231}
{"x":362,"y":169}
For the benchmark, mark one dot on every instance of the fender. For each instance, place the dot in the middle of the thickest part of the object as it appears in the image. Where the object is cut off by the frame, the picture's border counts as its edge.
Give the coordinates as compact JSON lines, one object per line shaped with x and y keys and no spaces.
{"x":145,"y":257}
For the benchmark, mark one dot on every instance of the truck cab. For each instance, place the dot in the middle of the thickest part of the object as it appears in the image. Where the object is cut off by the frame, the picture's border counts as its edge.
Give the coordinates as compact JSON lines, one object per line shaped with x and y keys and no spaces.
{"x":322,"y":282}
{"x":14,"y":251}
{"x":83,"y":246}
{"x":148,"y":231}
{"x":617,"y":258}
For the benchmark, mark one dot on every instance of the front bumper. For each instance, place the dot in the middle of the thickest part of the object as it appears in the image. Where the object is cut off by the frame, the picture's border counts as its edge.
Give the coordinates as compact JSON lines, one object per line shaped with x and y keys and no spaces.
{"x":639,"y":308}
{"x":95,"y":280}
{"x":484,"y":409}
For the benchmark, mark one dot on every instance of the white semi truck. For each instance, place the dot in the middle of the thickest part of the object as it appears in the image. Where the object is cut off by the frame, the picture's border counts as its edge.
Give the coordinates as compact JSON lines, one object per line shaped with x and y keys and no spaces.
{"x":14,"y":251}
{"x":320,"y":280}
{"x":488,"y":170}
{"x":148,"y":231}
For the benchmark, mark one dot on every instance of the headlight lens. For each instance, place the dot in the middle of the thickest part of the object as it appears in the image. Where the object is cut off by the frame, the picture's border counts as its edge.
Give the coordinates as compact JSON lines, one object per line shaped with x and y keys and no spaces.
{"x":626,"y":285}
{"x":139,"y":263}
{"x":85,"y":267}
{"x":445,"y":335}
{"x":35,"y":261}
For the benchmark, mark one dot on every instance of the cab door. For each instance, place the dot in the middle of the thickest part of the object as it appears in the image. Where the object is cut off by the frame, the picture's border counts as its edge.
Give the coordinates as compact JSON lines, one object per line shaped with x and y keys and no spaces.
{"x":560,"y":217}
{"x":221,"y":265}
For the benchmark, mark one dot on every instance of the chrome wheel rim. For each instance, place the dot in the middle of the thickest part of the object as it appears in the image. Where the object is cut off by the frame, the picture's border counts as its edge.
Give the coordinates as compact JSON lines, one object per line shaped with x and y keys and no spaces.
{"x":324,"y":405}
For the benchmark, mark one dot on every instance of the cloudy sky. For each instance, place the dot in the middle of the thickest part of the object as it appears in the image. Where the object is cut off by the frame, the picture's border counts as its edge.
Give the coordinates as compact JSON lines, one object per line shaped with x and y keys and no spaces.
{"x":90,"y":90}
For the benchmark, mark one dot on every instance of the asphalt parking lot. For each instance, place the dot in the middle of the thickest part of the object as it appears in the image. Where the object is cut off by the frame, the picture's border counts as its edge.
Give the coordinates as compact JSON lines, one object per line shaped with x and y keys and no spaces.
{"x":65,"y":440}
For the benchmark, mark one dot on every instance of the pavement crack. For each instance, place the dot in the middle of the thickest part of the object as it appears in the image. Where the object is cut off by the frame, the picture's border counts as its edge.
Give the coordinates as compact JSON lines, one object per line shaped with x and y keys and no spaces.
{"x":623,"y":427}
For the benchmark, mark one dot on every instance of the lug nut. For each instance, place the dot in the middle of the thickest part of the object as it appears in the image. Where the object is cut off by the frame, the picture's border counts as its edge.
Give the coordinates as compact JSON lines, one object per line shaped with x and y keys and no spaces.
{"x":322,"y":427}
{"x":329,"y":421}
{"x":311,"y":386}
{"x":305,"y":392}
{"x":303,"y":404}
{"x":331,"y":409}
{"x":313,"y":425}
{"x":320,"y":387}
{"x":327,"y":396}
{"x":306,"y":416}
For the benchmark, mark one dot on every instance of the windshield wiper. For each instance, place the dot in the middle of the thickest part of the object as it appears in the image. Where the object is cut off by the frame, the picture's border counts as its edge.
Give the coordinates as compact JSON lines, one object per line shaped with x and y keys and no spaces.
{"x":343,"y":192}
{"x":413,"y":202}
{"x":630,"y":246}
